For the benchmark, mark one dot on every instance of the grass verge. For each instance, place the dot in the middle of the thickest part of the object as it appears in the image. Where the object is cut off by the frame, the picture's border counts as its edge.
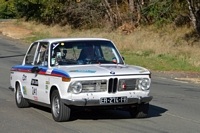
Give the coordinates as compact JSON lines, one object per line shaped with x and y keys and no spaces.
{"x":167,"y":49}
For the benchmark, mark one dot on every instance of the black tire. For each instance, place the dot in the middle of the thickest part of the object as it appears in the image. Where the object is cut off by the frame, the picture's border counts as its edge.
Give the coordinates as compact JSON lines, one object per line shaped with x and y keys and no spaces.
{"x":20,"y":101}
{"x":140,"y":111}
{"x":59,"y":110}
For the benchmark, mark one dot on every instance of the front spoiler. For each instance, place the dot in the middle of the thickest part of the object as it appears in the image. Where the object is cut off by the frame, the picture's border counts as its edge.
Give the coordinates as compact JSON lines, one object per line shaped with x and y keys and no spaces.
{"x":96,"y":102}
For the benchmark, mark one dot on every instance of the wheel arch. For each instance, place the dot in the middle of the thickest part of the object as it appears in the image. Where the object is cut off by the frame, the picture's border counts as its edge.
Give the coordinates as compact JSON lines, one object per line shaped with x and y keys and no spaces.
{"x":16,"y":84}
{"x":53,"y":87}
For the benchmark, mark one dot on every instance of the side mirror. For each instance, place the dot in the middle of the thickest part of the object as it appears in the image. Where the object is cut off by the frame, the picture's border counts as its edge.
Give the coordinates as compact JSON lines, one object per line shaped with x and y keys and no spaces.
{"x":35,"y":69}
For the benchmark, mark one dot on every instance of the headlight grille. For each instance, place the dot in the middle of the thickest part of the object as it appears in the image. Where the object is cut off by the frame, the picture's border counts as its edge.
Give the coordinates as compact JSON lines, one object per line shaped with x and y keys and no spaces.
{"x":89,"y":86}
{"x":127,"y":84}
{"x":94,"y":86}
{"x":112,"y":85}
{"x":134,"y":84}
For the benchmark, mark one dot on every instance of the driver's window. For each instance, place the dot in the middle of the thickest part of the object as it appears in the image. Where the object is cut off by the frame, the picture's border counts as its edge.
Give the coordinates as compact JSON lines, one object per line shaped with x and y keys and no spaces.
{"x":42,"y":54}
{"x":31,"y":54}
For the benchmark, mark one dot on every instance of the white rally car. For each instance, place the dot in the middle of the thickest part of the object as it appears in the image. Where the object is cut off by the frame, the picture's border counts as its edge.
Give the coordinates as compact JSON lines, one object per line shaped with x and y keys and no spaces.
{"x":85,"y":73}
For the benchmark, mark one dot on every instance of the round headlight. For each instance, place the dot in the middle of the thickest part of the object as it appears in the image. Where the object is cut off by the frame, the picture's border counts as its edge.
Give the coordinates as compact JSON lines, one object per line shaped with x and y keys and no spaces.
{"x":144,"y":84}
{"x":77,"y":87}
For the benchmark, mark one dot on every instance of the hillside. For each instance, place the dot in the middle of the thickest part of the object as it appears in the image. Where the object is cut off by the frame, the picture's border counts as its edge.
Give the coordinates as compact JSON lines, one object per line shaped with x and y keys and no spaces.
{"x":26,"y":33}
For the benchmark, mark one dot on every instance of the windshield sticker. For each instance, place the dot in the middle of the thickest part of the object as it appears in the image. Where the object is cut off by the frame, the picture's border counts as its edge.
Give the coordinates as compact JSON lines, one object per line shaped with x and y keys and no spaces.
{"x":83,"y":71}
{"x":55,"y":45}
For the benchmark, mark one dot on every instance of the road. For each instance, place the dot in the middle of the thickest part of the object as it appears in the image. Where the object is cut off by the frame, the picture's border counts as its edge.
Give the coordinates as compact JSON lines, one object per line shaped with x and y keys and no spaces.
{"x":174,"y":108}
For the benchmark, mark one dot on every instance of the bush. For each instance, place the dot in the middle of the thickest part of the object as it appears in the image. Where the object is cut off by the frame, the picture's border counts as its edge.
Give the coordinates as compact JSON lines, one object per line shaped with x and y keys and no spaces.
{"x":7,"y":9}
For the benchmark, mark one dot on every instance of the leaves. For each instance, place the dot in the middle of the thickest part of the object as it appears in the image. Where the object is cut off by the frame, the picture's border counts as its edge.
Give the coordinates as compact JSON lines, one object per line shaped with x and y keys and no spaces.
{"x":85,"y":14}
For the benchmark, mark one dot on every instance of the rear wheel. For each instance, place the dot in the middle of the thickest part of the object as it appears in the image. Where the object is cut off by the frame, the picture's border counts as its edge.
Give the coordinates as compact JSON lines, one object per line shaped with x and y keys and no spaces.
{"x":140,"y":111}
{"x":60,"y":111}
{"x":20,"y":101}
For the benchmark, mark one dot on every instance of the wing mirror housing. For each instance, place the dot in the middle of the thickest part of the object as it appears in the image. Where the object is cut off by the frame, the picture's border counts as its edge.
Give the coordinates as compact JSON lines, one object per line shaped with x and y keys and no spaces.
{"x":36,"y":69}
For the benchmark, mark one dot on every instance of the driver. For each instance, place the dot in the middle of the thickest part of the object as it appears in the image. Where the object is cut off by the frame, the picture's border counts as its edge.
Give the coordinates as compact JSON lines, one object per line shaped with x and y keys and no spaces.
{"x":87,"y":53}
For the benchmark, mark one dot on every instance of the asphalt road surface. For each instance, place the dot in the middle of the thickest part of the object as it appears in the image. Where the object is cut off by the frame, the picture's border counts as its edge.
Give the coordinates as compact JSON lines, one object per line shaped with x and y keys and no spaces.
{"x":174,"y":109}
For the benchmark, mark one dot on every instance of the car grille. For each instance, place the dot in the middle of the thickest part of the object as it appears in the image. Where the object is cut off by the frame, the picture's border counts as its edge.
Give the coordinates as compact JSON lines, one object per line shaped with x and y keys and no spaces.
{"x":112,"y":85}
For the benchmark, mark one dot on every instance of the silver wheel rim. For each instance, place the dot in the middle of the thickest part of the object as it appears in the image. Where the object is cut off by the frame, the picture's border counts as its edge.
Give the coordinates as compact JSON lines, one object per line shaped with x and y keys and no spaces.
{"x":19,"y":95}
{"x":55,"y":106}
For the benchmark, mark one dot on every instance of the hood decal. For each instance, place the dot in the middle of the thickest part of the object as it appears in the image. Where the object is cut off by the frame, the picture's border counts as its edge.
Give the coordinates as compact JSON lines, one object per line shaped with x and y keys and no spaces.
{"x":83,"y":71}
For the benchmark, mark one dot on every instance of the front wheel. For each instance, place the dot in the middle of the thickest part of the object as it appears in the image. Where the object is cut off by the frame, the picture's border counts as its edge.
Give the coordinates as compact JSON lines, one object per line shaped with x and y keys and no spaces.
{"x":20,"y":101}
{"x":140,"y":111}
{"x":60,"y":111}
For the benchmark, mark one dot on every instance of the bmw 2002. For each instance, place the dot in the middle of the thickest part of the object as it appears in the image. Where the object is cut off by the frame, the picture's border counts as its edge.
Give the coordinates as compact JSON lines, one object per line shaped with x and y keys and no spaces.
{"x":70,"y":73}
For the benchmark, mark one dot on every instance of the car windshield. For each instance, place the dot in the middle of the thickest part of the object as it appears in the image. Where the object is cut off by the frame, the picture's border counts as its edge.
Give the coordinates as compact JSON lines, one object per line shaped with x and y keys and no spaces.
{"x":84,"y":52}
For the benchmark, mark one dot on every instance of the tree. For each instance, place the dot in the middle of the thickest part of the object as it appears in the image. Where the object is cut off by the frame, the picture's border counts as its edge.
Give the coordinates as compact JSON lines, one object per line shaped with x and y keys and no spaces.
{"x":7,"y":9}
{"x":194,"y":15}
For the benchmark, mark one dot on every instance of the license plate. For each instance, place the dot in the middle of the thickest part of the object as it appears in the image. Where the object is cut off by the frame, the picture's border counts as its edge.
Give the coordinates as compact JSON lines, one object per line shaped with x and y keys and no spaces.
{"x":110,"y":100}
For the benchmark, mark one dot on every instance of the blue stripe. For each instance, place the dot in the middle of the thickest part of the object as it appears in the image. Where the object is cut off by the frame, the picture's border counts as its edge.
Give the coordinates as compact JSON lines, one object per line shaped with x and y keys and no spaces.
{"x":58,"y":72}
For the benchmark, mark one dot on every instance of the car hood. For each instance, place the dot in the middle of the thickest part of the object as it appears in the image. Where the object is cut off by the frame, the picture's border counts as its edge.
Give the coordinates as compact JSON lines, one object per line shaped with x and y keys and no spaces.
{"x":102,"y":70}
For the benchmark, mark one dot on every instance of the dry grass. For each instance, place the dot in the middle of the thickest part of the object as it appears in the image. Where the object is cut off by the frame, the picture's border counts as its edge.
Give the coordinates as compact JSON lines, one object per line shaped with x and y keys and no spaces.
{"x":167,"y":41}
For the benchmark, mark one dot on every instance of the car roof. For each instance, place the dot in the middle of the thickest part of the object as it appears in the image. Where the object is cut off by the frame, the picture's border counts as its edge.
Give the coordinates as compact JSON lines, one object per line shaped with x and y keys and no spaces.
{"x":71,"y":39}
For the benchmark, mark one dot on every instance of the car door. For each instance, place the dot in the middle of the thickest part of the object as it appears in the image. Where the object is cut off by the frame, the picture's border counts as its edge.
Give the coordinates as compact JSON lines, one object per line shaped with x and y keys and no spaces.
{"x":28,"y":65}
{"x":40,"y":81}
{"x":36,"y":65}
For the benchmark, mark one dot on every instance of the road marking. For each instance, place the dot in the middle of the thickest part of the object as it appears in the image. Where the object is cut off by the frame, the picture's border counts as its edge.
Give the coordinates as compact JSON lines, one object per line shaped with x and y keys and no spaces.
{"x":181,"y":81}
{"x":187,"y":119}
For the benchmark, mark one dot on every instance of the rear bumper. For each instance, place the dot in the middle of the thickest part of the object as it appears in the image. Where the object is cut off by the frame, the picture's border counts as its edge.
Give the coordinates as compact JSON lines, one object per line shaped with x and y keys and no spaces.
{"x":96,"y":102}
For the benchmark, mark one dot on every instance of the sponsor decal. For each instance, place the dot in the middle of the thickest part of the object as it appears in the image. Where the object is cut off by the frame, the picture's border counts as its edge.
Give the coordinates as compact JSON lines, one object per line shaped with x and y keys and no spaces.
{"x":46,"y":88}
{"x":83,"y":71}
{"x":24,"y":77}
{"x":34,"y":82}
{"x":110,"y":67}
{"x":35,"y":98}
{"x":34,"y":91}
{"x":24,"y":90}
{"x":49,"y":71}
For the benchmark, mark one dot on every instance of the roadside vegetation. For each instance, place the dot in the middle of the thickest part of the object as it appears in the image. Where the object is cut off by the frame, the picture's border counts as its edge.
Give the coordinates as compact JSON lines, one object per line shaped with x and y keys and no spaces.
{"x":156,"y":34}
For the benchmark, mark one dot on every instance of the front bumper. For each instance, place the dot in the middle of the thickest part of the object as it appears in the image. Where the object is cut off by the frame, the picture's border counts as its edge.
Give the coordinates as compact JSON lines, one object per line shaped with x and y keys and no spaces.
{"x":96,"y":102}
